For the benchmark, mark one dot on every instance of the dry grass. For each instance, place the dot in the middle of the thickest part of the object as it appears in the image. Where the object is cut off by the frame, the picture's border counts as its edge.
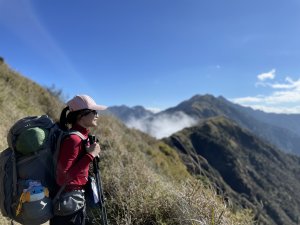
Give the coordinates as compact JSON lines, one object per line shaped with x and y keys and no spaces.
{"x":140,"y":189}
{"x":144,"y":180}
{"x":20,"y":97}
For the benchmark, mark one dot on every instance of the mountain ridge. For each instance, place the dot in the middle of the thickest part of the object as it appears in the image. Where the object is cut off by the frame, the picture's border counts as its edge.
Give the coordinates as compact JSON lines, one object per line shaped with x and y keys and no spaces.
{"x":248,"y":170}
{"x":273,"y":130}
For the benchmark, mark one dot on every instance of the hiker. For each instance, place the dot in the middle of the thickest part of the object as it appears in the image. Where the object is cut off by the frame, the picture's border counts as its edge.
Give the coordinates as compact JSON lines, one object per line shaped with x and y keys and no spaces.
{"x":74,"y":158}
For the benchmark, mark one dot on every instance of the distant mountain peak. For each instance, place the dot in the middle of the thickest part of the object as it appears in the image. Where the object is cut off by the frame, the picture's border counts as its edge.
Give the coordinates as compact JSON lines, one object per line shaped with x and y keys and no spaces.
{"x":208,"y":97}
{"x":125,"y":113}
{"x":280,"y":130}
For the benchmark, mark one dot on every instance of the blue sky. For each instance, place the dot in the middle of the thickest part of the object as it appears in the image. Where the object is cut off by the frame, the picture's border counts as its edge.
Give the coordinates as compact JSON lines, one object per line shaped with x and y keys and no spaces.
{"x":157,"y":53}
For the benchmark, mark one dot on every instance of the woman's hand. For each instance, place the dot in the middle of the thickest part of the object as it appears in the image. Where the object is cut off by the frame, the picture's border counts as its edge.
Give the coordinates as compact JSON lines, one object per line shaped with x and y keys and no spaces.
{"x":94,"y":149}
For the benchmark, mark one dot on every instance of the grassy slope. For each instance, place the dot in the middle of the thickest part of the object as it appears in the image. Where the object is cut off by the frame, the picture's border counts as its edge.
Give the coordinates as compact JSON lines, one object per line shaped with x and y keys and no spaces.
{"x":21,"y":97}
{"x":144,"y":180}
{"x":248,"y":170}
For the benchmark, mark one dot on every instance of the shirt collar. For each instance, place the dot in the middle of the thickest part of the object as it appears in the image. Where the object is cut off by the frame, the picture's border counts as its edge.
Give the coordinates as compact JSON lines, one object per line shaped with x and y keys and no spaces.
{"x":81,"y":129}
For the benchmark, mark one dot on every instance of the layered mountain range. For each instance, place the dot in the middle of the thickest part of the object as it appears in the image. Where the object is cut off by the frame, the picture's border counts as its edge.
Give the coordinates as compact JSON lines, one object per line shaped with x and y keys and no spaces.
{"x":280,"y":130}
{"x":248,"y":155}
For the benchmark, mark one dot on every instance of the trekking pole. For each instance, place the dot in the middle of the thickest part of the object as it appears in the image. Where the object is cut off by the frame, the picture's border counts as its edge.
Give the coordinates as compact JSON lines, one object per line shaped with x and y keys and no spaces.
{"x":99,"y":189}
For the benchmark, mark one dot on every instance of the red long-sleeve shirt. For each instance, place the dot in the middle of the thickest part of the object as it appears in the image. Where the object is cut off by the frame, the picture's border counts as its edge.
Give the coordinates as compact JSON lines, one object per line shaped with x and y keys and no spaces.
{"x":73,"y":161}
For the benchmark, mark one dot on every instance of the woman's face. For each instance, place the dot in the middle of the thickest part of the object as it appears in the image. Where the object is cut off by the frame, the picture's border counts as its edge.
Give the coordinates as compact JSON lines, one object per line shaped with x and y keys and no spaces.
{"x":89,"y":120}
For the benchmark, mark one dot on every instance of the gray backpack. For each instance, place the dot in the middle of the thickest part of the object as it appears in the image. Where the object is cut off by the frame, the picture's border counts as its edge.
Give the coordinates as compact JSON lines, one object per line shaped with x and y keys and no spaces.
{"x":27,"y":170}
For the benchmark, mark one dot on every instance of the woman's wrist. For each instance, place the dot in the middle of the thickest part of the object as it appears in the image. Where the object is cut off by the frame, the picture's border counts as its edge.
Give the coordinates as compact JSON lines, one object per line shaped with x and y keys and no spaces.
{"x":91,"y":155}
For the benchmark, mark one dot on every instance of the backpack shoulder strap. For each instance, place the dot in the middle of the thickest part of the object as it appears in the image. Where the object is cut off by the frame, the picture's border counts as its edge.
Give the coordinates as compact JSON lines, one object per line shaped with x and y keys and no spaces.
{"x":62,"y":135}
{"x":83,"y":138}
{"x":78,"y":134}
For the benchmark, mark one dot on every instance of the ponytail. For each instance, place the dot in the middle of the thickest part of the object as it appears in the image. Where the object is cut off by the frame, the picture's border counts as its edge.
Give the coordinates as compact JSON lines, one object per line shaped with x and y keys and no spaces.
{"x":63,"y":122}
{"x":70,"y":118}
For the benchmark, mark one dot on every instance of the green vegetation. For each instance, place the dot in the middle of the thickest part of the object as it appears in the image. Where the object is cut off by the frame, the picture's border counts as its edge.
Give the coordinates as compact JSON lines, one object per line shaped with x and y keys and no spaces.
{"x":146,"y":183}
{"x":20,"y":97}
{"x":250,"y":172}
{"x":144,"y":180}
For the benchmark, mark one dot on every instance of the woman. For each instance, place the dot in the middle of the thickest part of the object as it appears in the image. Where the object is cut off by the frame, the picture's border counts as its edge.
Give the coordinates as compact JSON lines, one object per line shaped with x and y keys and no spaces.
{"x":74,"y":159}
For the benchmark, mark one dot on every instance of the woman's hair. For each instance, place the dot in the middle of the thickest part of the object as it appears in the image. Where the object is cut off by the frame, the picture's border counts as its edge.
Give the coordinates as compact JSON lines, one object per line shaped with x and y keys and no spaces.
{"x":71,"y":117}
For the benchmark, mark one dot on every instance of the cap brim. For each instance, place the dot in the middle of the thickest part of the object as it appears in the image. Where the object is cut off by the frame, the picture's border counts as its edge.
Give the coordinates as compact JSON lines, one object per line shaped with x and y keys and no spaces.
{"x":99,"y":107}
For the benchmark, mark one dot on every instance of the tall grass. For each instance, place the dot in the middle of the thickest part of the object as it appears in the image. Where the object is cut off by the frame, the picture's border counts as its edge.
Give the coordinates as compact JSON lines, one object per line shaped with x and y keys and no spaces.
{"x":144,"y":180}
{"x":20,"y":97}
{"x":143,"y":191}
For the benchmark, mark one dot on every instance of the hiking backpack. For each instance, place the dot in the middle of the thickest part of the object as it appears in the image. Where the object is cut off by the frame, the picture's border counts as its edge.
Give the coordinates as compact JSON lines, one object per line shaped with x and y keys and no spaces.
{"x":27,"y":169}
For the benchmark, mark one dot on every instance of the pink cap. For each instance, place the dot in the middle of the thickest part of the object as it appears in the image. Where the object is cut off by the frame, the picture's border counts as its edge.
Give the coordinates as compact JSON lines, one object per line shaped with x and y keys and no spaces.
{"x":84,"y":102}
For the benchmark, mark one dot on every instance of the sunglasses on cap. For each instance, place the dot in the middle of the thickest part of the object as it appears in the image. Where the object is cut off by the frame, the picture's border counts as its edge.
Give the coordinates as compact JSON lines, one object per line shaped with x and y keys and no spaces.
{"x":94,"y":112}
{"x":88,"y":111}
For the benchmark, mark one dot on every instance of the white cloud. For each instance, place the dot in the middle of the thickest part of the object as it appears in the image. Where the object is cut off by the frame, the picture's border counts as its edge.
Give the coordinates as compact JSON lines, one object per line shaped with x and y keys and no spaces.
{"x":287,"y":110}
{"x":153,"y":109}
{"x":247,"y":100}
{"x":268,"y":75}
{"x":279,"y":97}
{"x":284,"y":98}
{"x":163,"y":125}
{"x":290,"y":84}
